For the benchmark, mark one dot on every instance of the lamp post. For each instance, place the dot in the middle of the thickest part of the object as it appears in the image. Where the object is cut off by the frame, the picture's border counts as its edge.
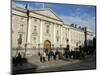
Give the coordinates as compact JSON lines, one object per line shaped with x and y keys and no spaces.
{"x":39,"y":47}
{"x":27,"y":12}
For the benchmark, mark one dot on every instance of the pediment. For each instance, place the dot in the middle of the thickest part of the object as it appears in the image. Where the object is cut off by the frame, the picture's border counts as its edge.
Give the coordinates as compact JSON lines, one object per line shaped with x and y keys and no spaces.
{"x":48,"y":13}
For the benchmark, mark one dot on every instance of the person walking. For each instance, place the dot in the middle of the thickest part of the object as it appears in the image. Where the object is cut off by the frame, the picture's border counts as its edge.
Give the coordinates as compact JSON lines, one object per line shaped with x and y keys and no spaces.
{"x":19,"y":60}
{"x":49,"y":55}
{"x":41,"y":55}
{"x":54,"y":54}
{"x":44,"y":56}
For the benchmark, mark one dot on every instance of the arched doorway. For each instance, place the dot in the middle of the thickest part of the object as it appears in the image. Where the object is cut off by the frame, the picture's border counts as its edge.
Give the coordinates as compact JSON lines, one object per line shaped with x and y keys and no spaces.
{"x":47,"y":44}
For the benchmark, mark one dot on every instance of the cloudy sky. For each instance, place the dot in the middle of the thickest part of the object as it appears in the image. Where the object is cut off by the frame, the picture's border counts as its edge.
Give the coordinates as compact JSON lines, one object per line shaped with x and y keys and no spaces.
{"x":82,"y":15}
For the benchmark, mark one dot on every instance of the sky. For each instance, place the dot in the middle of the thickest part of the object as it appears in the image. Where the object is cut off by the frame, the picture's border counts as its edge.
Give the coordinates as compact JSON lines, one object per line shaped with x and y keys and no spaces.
{"x":82,"y":15}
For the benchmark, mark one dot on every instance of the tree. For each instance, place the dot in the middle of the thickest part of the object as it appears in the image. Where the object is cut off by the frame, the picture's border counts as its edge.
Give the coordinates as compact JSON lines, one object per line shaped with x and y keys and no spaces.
{"x":94,"y":42}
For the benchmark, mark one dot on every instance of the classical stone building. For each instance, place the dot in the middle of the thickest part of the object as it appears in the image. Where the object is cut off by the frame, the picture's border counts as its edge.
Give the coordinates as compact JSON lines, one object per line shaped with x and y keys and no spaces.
{"x":42,"y":28}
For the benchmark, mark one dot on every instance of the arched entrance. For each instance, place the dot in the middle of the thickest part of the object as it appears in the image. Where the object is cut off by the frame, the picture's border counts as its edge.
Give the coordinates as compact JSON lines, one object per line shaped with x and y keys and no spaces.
{"x":47,"y":44}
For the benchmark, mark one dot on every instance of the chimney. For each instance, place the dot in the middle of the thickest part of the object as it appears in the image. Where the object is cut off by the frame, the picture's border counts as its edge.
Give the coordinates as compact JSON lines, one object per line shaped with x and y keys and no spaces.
{"x":75,"y":25}
{"x":72,"y":25}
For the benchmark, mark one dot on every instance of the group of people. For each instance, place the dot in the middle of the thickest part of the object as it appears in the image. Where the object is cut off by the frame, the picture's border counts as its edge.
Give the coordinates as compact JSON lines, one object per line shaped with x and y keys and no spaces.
{"x":47,"y":54}
{"x":17,"y":60}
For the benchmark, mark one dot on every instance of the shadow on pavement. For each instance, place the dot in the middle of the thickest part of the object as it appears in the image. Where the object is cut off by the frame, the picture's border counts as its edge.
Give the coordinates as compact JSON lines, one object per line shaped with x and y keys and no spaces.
{"x":24,"y":69}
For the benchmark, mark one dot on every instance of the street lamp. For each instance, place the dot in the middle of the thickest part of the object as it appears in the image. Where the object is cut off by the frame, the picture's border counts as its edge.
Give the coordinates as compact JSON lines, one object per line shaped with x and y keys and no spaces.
{"x":39,"y":47}
{"x":27,"y":11}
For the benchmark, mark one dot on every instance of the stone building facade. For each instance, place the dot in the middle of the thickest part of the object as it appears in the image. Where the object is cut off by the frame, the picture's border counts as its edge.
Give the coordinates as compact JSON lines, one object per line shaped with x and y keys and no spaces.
{"x":42,"y":28}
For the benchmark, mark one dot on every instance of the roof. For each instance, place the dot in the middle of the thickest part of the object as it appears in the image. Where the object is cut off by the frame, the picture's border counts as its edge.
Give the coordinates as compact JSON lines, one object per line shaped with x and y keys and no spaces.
{"x":75,"y":28}
{"x":20,"y":9}
{"x":43,"y":11}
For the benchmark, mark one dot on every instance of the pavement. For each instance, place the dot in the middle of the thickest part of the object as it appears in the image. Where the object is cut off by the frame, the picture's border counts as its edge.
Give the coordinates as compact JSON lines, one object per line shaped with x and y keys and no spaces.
{"x":34,"y":65}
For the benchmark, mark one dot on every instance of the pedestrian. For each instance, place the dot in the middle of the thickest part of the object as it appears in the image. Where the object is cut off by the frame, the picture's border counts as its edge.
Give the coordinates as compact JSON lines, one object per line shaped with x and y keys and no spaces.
{"x":46,"y":51}
{"x":50,"y":53}
{"x":66,"y":54}
{"x":41,"y":55}
{"x":48,"y":56}
{"x":57,"y":53}
{"x":19,"y":59}
{"x":54,"y":54}
{"x":44,"y":56}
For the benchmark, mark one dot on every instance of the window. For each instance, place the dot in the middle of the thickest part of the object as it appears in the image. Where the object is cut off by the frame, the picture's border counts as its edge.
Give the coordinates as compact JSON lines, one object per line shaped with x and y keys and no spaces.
{"x":35,"y":28}
{"x":21,"y":25}
{"x":79,"y":42}
{"x":57,"y":37}
{"x":34,"y":38}
{"x":76,"y":43}
{"x":47,"y":26}
{"x":22,"y":18}
{"x":57,"y":32}
{"x":20,"y":28}
{"x":35,"y":19}
{"x":35,"y":31}
{"x":47,"y":23}
{"x":47,"y":29}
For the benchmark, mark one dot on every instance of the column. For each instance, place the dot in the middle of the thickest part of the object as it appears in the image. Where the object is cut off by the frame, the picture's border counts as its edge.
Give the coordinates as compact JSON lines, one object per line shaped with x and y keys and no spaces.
{"x":29,"y":31}
{"x":54,"y":34}
{"x":61,"y":35}
{"x":69,"y":32}
{"x":41,"y":28}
